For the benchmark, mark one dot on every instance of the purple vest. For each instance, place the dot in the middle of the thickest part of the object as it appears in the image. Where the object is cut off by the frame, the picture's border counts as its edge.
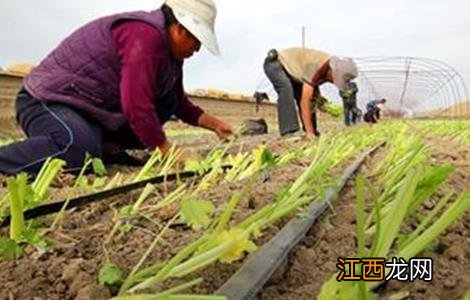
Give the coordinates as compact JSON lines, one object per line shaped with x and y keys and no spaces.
{"x":84,"y":70}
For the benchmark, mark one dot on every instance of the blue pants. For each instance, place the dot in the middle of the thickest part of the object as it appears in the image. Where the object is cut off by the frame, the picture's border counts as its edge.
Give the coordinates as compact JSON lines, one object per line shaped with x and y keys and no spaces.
{"x":56,"y":130}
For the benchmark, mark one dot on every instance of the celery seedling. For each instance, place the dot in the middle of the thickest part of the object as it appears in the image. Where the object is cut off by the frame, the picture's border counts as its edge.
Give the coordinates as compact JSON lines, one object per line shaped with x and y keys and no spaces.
{"x":17,"y":192}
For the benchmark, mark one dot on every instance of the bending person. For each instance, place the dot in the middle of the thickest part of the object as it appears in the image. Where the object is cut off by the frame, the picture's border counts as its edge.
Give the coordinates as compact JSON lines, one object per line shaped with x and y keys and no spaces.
{"x":296,"y":74}
{"x":373,"y":110}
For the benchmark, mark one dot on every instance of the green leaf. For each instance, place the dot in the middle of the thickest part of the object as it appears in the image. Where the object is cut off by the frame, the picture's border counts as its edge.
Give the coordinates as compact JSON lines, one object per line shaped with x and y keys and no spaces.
{"x":224,"y":218}
{"x":179,"y":288}
{"x":98,"y":167}
{"x":327,"y":224}
{"x":9,"y":249}
{"x":98,"y":183}
{"x":237,"y":250}
{"x":34,"y":238}
{"x":41,"y":185}
{"x":17,"y":190}
{"x":147,"y":169}
{"x":360,"y":217}
{"x":197,"y":213}
{"x":115,"y":181}
{"x":83,"y":183}
{"x":125,"y":228}
{"x":268,"y":158}
{"x":467,"y":295}
{"x":391,"y":226}
{"x":447,"y":218}
{"x":194,"y":166}
{"x":31,"y":198}
{"x":110,"y":274}
{"x":126,"y":211}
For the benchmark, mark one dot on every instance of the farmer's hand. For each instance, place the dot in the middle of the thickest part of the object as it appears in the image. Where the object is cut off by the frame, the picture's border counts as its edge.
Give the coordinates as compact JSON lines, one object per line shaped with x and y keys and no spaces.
{"x":310,"y":136}
{"x":223,"y":130}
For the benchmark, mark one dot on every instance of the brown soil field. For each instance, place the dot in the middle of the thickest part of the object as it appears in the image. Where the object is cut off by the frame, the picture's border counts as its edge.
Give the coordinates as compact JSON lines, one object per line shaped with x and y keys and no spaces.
{"x":314,"y":260}
{"x":70,"y":269}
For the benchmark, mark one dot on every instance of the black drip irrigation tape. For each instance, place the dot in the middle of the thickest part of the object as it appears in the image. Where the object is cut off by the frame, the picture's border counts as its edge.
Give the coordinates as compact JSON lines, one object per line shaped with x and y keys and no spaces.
{"x":55,"y":207}
{"x":256,"y":271}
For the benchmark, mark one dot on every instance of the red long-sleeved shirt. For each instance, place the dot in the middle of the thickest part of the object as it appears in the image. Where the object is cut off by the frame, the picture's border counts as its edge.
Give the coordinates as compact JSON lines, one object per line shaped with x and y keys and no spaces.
{"x":141,"y":50}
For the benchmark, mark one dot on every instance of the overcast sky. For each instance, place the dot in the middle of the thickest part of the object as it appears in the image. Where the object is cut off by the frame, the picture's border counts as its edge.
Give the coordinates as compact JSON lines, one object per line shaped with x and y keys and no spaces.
{"x":246,"y":29}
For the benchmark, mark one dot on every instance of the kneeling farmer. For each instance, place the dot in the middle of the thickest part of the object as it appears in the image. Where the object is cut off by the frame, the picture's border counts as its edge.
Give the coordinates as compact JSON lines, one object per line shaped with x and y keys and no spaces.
{"x":373,"y":110}
{"x":114,"y":81}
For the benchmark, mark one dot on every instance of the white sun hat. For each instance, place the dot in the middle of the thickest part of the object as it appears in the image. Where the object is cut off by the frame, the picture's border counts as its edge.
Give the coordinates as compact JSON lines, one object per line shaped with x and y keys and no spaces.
{"x":197,"y":16}
{"x":344,"y":70}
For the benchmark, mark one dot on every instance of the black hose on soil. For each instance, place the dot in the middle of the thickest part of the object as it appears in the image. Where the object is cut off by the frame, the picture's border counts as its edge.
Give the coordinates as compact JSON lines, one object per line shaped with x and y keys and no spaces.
{"x":258,"y":268}
{"x":55,"y":207}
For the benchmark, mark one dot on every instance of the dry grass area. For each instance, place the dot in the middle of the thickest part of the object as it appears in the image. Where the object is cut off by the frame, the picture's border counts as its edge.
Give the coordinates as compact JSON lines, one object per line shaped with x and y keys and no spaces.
{"x":461,"y":109}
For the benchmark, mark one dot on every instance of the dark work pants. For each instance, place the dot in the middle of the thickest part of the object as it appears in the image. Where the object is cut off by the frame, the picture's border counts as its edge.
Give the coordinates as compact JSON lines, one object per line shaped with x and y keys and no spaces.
{"x":56,"y":130}
{"x":377,"y":113}
{"x":370,"y":116}
{"x":350,"y":114}
{"x":289,"y":93}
